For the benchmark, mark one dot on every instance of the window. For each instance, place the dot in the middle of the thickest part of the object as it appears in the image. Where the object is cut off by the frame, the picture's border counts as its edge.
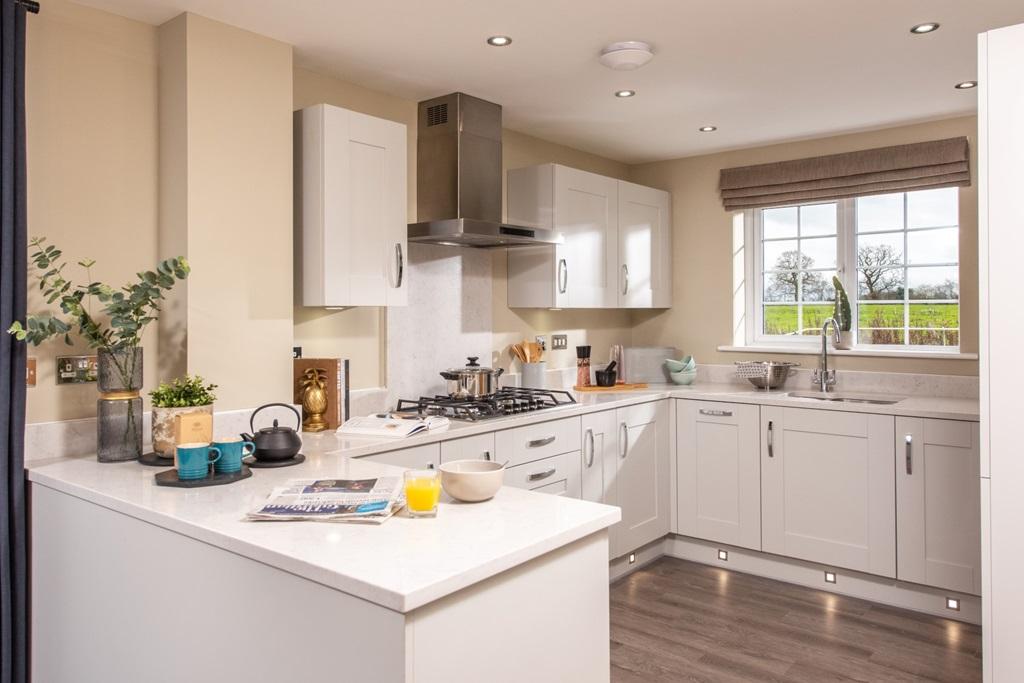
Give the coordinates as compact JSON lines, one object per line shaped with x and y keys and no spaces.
{"x":897,"y":256}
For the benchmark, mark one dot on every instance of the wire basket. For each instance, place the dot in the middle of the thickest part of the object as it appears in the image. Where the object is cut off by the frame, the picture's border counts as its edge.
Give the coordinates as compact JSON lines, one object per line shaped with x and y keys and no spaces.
{"x":766,"y":374}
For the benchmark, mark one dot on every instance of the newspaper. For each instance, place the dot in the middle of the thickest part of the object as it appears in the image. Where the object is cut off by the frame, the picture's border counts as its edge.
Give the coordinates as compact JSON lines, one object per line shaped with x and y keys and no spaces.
{"x":371,"y":500}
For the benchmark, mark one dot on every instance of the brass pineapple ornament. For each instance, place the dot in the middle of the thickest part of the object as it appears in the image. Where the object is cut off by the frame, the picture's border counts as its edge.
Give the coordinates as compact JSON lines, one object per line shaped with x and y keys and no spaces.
{"x":314,"y":399}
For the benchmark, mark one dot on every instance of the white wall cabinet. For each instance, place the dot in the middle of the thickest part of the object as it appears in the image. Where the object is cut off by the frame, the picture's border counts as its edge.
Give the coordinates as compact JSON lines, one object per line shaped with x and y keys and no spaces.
{"x":350,"y":181}
{"x":616,"y":241}
{"x":938,"y":506}
{"x":828,"y":488}
{"x":718,"y":472}
{"x":642,"y":483}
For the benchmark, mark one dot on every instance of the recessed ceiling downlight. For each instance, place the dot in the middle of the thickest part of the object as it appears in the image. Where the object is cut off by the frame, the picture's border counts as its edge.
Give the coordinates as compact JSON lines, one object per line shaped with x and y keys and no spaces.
{"x":627,"y":55}
{"x":966,"y":85}
{"x":926,"y":27}
{"x":499,"y":41}
{"x":708,"y":129}
{"x":625,"y":93}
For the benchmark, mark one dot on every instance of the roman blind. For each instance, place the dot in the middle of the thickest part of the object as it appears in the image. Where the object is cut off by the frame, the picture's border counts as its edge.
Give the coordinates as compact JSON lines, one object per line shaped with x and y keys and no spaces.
{"x":918,"y":166}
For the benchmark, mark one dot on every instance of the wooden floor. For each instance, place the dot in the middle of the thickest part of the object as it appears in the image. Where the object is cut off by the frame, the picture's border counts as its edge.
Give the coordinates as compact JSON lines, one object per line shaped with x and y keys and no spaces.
{"x":680,"y":621}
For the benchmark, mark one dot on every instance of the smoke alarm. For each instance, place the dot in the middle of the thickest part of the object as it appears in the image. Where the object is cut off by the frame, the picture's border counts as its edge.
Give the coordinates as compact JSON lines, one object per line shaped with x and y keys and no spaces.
{"x":627,"y":55}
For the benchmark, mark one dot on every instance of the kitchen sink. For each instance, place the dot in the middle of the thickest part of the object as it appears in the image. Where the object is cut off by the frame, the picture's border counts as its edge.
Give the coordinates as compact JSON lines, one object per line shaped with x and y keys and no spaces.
{"x":848,"y":397}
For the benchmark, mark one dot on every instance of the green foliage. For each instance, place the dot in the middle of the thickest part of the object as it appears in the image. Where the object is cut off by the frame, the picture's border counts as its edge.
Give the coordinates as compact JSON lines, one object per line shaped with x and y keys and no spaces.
{"x":127,"y":310}
{"x":842,"y":312}
{"x":183,"y":392}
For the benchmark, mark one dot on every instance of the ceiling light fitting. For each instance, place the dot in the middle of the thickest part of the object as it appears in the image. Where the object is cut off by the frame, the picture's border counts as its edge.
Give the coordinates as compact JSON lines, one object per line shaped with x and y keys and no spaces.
{"x":708,"y":129}
{"x":627,"y":55}
{"x":927,"y":27}
{"x":625,"y":93}
{"x":966,"y":85}
{"x":499,"y":41}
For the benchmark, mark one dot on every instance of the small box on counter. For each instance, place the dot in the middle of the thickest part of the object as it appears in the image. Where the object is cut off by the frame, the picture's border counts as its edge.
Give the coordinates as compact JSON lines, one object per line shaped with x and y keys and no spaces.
{"x":193,"y":428}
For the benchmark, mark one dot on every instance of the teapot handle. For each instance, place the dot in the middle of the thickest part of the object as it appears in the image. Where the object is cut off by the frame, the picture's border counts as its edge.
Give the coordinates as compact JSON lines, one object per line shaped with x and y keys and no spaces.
{"x":298,"y":418}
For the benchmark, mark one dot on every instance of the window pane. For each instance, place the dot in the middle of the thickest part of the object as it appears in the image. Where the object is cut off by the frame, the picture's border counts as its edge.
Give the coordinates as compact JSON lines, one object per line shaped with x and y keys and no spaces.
{"x":877,"y":251}
{"x":780,"y":286}
{"x":819,"y":252}
{"x":880,"y":283}
{"x":933,"y":283}
{"x":880,"y":212}
{"x":933,"y":246}
{"x":817,"y":286}
{"x":818,"y":219}
{"x":933,"y":208}
{"x":781,"y":255}
{"x":778,"y":223}
{"x":780,"y":319}
{"x":815,"y":316}
{"x":881,"y":324}
{"x":935,"y":316}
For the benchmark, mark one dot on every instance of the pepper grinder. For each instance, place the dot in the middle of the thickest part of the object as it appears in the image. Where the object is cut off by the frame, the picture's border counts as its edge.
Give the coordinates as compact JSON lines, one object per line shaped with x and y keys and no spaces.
{"x":583,"y":366}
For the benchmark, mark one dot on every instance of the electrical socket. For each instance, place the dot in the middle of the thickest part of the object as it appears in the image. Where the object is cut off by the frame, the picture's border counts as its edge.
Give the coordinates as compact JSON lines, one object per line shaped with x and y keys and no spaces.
{"x":76,"y":369}
{"x":559,"y":341}
{"x":541,"y":341}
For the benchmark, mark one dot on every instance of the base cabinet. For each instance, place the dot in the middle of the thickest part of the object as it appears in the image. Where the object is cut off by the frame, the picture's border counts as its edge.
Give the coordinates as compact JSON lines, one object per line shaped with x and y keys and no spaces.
{"x":600,"y":462}
{"x":938,"y":506}
{"x":641,"y":474}
{"x":828,"y":488}
{"x":718,"y":472}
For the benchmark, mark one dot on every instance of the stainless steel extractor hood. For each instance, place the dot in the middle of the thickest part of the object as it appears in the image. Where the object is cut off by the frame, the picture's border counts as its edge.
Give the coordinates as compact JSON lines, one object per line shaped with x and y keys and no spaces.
{"x":458,"y":177}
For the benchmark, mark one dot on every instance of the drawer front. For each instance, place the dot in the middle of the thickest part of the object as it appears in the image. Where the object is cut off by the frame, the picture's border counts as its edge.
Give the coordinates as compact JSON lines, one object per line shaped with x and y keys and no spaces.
{"x":479,"y":447}
{"x":418,"y":457}
{"x":557,"y":474}
{"x":533,"y":442}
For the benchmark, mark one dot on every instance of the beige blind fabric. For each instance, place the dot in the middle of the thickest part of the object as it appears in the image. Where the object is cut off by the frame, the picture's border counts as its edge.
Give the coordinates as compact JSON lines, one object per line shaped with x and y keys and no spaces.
{"x":919,"y":166}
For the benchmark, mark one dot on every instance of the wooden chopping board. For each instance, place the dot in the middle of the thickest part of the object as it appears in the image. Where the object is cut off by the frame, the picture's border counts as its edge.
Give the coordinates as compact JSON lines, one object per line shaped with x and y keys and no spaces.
{"x":617,"y":387}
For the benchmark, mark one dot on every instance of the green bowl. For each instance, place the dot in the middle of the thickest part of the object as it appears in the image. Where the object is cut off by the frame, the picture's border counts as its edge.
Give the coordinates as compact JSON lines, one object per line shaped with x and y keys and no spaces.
{"x":684,"y":377}
{"x":686,"y":364}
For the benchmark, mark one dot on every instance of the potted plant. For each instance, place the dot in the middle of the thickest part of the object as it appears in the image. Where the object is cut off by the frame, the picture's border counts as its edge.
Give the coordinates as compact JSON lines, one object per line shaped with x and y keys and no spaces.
{"x":115,"y":331}
{"x":182,"y":396}
{"x":843,"y":315}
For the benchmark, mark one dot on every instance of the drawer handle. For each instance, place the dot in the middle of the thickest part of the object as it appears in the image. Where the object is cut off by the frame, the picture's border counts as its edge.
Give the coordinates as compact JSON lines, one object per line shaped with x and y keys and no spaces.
{"x":590,"y":441}
{"x":487,"y":455}
{"x":771,"y":439}
{"x":536,"y":476}
{"x":537,"y":443}
{"x":716,"y":413}
{"x":910,"y":454}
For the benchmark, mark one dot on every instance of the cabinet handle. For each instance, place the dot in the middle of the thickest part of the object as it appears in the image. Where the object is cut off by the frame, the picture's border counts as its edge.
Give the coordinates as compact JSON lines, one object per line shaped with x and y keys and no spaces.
{"x":535,"y":476}
{"x":537,"y":443}
{"x":563,"y":276}
{"x":624,"y":432}
{"x":771,"y":439}
{"x":716,"y":413}
{"x":400,"y":264}
{"x":487,"y":455}
{"x":625,"y":278}
{"x":590,"y":440}
{"x":910,"y":454}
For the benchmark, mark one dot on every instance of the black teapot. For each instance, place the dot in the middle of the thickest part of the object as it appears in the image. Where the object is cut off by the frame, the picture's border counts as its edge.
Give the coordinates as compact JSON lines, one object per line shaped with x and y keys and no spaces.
{"x":275,"y":443}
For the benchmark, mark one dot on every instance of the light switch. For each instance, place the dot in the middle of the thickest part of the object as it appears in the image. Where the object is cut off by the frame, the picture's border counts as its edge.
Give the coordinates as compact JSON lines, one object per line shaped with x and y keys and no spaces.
{"x":559,"y":341}
{"x":30,"y":372}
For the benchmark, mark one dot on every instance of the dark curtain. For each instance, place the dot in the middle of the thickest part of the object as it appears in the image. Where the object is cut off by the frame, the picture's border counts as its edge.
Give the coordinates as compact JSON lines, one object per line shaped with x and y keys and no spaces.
{"x":13,"y":282}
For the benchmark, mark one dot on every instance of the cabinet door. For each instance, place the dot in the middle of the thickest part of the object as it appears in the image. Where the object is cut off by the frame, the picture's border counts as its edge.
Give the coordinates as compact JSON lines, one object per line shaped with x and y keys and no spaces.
{"x":828,"y":488}
{"x":586,"y":216}
{"x":479,"y":447}
{"x":642,"y":474}
{"x":718,"y":472}
{"x":599,"y":462}
{"x":415,"y":458}
{"x":938,"y":506}
{"x":644,"y":247}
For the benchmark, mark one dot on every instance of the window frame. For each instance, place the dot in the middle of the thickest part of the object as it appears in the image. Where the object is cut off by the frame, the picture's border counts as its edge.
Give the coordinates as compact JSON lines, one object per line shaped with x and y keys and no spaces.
{"x":846,"y":271}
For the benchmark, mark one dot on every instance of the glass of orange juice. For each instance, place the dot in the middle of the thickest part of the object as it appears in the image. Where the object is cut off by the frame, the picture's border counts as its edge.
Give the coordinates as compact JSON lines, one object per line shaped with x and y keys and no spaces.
{"x":422,"y":491}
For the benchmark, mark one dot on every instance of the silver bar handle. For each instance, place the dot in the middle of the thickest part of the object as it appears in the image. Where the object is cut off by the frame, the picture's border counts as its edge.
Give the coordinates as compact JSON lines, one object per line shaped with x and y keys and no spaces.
{"x":771,"y":439}
{"x":716,"y":413}
{"x":910,"y":454}
{"x":563,"y":276}
{"x":625,"y":276}
{"x":590,"y":441}
{"x":537,"y":443}
{"x":624,"y":433}
{"x":536,"y":476}
{"x":400,"y":264}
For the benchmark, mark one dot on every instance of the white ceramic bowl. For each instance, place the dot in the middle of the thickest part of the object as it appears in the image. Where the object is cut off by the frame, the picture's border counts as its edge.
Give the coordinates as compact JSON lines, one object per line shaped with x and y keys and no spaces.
{"x":685,"y":377}
{"x":472,"y":481}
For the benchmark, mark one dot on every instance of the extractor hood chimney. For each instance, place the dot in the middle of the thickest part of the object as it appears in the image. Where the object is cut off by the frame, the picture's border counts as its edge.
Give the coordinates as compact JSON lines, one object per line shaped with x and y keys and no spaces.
{"x":458,"y":177}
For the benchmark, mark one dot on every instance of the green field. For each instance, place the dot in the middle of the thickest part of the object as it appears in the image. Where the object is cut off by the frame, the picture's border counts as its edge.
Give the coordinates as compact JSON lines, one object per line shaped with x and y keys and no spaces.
{"x":939,"y":322}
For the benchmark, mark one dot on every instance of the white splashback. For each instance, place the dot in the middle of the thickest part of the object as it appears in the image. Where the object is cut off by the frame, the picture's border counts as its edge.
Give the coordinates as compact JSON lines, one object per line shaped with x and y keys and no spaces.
{"x":449,"y":317}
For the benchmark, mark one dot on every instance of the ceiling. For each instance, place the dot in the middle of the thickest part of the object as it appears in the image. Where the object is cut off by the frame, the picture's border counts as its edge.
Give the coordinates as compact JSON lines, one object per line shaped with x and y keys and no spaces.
{"x":760,"y":71}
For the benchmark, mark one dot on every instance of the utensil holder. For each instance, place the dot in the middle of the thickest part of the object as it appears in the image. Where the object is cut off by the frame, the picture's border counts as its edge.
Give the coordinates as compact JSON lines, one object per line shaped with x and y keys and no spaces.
{"x":534,"y":374}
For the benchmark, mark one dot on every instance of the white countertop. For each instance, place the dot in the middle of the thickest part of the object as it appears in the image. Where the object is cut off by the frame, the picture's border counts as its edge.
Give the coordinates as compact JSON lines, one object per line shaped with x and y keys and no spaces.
{"x":401,"y":564}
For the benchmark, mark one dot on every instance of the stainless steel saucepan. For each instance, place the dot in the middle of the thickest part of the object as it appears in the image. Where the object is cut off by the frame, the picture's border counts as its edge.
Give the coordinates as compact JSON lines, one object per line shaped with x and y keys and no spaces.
{"x":472,"y":381}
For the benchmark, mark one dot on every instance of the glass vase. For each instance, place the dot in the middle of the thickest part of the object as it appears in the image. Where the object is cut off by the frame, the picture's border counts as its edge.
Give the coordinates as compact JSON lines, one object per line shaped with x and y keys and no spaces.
{"x":119,"y":408}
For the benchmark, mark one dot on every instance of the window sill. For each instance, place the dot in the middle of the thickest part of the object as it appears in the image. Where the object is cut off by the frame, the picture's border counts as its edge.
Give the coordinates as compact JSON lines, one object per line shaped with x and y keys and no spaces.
{"x":815,"y":349}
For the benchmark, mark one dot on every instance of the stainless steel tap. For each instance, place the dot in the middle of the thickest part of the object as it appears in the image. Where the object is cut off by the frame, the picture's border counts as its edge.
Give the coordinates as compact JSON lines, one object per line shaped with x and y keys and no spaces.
{"x":823,"y":377}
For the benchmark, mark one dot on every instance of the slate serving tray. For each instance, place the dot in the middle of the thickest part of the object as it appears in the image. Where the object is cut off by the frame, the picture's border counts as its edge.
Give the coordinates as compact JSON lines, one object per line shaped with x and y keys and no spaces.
{"x":170,"y":478}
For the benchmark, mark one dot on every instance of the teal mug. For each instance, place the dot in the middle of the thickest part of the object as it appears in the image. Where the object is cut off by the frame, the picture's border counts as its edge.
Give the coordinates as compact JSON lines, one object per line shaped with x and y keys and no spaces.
{"x":193,"y":460}
{"x":232,"y":450}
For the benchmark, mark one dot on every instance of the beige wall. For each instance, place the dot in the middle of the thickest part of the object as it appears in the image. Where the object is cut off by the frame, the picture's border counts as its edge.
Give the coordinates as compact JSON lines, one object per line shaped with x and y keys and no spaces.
{"x":701,"y":317}
{"x":91,"y":104}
